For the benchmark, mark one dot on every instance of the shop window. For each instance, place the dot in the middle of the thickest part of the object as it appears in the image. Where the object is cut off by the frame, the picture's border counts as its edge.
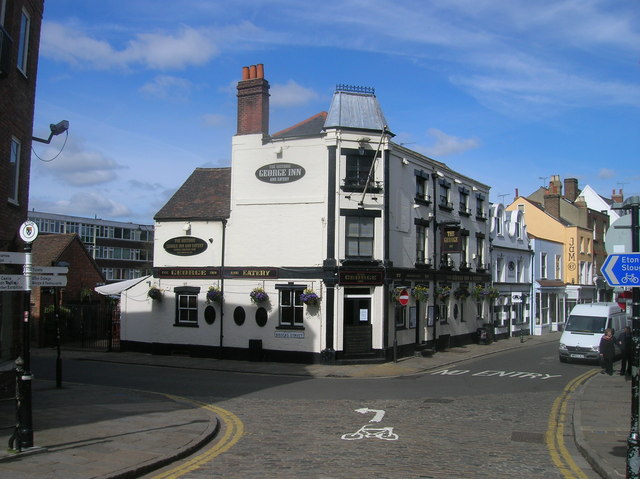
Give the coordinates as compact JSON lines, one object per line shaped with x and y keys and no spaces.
{"x":187,"y":306}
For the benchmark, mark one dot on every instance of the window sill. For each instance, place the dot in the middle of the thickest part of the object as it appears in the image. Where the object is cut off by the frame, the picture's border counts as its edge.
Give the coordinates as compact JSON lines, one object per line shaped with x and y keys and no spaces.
{"x":290,"y":328}
{"x":186,"y":325}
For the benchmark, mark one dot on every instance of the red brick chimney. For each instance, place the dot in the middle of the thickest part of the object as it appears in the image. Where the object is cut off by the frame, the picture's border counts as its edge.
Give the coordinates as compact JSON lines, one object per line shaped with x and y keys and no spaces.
{"x":555,"y":186}
{"x":571,"y":189}
{"x":253,"y":101}
{"x":617,"y":198}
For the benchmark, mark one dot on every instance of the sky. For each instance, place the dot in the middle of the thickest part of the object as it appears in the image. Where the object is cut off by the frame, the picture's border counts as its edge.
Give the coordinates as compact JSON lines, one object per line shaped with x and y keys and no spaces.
{"x":508,"y":93}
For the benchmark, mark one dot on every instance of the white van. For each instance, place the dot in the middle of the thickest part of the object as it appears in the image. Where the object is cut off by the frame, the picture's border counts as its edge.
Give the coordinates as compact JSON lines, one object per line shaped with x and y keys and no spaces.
{"x":584,"y":328}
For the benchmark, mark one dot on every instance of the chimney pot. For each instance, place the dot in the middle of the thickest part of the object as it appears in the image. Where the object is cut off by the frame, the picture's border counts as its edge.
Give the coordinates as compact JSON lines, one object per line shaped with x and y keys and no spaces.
{"x":252,"y":72}
{"x":260,"y":70}
{"x":245,"y":73}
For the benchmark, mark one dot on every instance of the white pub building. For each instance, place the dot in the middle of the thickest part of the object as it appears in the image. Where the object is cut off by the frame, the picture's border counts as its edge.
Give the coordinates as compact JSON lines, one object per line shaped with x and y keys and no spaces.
{"x":326,"y":241}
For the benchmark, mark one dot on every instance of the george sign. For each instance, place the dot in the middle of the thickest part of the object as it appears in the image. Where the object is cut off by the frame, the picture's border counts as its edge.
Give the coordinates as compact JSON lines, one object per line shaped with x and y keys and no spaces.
{"x":451,"y":240}
{"x":403,"y":298}
{"x":185,"y":246}
{"x":622,"y":269}
{"x":9,"y":257}
{"x":205,"y":272}
{"x":280,"y":173}
{"x":371,"y":278}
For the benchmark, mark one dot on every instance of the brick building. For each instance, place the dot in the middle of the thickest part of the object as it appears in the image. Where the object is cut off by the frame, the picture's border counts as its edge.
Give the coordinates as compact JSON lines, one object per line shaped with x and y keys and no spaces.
{"x":83,"y":276}
{"x":20,"y":22}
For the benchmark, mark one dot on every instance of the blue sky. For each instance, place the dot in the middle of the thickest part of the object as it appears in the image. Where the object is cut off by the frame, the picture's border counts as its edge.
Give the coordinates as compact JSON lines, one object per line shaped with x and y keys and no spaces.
{"x":505,"y":92}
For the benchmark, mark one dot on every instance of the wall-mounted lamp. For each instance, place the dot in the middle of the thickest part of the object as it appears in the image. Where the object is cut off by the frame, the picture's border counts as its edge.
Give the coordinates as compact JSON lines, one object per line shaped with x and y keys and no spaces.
{"x":361,"y":142}
{"x":56,"y":129}
{"x":186,"y":227}
{"x":405,"y":162}
{"x":457,"y":181}
{"x":440,"y":174}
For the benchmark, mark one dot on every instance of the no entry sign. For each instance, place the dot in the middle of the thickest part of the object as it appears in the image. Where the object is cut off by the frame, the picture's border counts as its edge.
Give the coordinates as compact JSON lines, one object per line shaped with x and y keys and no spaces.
{"x":403,"y":299}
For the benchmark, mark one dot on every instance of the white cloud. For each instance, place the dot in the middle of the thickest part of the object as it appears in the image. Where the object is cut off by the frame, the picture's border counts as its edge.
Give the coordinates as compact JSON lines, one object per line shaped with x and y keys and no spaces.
{"x":291,"y":94}
{"x":213,"y":119}
{"x":84,"y":204}
{"x":449,"y":145}
{"x":78,"y":166}
{"x":168,"y":87}
{"x":606,"y":173}
{"x":152,"y":50}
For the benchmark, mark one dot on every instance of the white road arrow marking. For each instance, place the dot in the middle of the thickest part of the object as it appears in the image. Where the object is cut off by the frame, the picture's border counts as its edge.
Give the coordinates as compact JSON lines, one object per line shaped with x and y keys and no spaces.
{"x":379,"y":413}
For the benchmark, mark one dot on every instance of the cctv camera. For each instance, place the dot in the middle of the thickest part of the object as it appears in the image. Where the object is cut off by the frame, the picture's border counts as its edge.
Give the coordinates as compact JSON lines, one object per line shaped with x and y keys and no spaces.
{"x":59,"y":127}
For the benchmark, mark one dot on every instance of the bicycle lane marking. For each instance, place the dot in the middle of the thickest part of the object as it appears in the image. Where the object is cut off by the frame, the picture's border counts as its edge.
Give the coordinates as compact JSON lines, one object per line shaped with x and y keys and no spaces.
{"x":367,"y":431}
{"x":233,"y":431}
{"x":554,"y":436}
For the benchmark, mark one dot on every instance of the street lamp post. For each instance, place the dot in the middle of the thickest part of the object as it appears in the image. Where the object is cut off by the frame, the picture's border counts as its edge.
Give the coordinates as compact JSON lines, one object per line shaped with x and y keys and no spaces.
{"x":633,"y":442}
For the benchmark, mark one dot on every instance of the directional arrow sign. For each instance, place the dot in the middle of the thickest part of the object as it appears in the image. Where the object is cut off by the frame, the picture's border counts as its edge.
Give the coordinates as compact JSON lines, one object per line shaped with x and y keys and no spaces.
{"x":18,"y":282}
{"x":622,"y":269}
{"x":49,"y":269}
{"x":8,"y":257}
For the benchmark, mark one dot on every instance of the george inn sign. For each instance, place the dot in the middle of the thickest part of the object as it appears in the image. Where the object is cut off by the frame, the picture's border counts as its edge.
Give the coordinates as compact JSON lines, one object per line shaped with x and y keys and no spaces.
{"x":280,"y":173}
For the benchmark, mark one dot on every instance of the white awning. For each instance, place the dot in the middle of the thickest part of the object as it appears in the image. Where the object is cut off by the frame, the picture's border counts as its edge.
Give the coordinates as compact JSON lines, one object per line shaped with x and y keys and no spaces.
{"x":117,"y":288}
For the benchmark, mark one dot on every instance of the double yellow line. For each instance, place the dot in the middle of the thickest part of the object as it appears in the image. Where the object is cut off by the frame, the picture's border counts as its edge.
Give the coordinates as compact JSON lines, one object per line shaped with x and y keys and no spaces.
{"x":555,"y":430}
{"x":233,"y":431}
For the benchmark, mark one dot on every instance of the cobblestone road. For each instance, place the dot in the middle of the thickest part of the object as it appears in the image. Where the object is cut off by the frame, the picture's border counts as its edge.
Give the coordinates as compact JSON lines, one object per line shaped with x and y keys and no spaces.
{"x":488,"y":436}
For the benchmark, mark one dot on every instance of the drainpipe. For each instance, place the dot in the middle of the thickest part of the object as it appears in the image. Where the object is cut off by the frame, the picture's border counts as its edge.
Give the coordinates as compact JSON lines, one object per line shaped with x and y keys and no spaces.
{"x":434,"y":176}
{"x":224,"y":234}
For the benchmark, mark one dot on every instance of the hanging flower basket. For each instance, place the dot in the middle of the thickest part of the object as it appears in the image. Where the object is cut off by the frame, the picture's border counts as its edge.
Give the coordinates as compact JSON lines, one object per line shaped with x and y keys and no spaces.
{"x":420,"y":292}
{"x":394,"y":294}
{"x":214,"y":295}
{"x":443,"y":292}
{"x":309,"y":297}
{"x":154,"y":293}
{"x":461,"y":292}
{"x":493,"y":293}
{"x":258,"y":295}
{"x":479,"y":292}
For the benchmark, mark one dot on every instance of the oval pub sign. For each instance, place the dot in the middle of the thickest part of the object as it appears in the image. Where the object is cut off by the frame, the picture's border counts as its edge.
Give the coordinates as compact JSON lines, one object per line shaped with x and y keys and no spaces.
{"x":280,"y":173}
{"x":185,"y":246}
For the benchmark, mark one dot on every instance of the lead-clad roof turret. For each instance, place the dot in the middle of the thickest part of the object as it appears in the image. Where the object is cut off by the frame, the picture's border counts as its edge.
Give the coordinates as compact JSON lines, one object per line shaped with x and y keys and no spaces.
{"x":356,"y":108}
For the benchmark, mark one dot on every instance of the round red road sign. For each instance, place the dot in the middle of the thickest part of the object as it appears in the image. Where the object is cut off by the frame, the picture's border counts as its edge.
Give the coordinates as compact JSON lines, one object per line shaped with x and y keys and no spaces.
{"x":403,"y":299}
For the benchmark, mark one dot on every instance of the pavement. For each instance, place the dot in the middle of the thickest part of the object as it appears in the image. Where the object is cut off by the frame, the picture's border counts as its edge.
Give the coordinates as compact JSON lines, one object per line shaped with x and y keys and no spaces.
{"x":83,"y":431}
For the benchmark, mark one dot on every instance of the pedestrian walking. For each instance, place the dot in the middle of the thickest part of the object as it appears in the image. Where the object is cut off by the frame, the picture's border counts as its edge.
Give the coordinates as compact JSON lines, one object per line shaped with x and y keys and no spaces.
{"x":626,"y":345}
{"x":607,"y":351}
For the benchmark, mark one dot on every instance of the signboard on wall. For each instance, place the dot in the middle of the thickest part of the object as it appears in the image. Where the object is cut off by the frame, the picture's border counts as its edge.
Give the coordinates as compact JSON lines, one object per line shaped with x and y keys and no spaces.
{"x":373,"y":278}
{"x":451,"y":240}
{"x":185,"y":246}
{"x":280,"y":173}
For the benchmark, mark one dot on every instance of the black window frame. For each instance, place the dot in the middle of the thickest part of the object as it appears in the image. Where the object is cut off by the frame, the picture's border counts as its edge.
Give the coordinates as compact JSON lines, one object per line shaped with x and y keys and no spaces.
{"x":191,"y":308}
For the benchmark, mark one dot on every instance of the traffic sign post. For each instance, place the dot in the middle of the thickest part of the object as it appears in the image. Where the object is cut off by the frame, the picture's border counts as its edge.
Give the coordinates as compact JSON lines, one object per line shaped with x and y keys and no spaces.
{"x":23,"y":434}
{"x":624,"y":270}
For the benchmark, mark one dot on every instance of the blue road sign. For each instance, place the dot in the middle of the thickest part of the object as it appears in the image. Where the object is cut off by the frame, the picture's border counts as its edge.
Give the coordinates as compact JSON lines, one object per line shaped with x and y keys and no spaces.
{"x":622,"y":270}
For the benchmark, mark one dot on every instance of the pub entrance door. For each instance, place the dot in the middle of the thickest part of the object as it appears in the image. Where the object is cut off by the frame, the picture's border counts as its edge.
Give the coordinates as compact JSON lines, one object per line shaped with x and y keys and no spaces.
{"x":357,"y":322}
